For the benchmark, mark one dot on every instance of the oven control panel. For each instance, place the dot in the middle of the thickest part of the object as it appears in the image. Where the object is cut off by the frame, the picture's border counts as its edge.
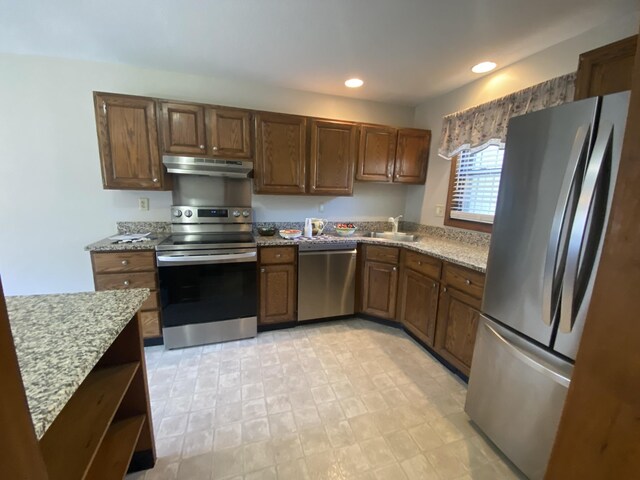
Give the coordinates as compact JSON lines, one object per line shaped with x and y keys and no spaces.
{"x":181,"y":214}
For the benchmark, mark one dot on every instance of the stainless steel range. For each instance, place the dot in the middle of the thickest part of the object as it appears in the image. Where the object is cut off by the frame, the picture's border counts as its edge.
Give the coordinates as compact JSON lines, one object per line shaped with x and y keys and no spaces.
{"x":207,"y":270}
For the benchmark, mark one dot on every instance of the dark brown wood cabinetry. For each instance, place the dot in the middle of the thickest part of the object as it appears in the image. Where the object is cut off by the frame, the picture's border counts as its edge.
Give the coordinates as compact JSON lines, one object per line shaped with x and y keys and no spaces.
{"x":606,"y":69}
{"x":377,"y":153}
{"x":332,"y":158}
{"x":229,"y":132}
{"x":131,"y":269}
{"x":458,"y":315}
{"x":412,"y":156}
{"x":281,"y":143}
{"x":418,"y":297}
{"x":183,"y":128}
{"x":277,"y":285}
{"x":380,"y":281}
{"x":393,"y":155}
{"x":128,"y":142}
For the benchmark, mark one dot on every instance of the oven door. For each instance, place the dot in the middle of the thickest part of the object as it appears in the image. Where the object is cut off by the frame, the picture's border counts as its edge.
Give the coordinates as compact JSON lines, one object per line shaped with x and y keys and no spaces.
{"x":207,"y":297}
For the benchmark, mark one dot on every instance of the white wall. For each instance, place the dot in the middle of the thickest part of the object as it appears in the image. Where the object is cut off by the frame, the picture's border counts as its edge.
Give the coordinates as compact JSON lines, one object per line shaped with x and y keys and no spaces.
{"x":51,"y":197}
{"x":552,"y":62}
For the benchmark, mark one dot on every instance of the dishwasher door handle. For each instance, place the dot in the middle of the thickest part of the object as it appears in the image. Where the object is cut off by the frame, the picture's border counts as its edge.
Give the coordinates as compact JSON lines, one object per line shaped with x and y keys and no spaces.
{"x":329,"y":252}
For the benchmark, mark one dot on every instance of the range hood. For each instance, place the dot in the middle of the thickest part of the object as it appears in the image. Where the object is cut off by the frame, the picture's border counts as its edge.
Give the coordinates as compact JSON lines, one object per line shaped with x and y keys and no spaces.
{"x":212,"y":167}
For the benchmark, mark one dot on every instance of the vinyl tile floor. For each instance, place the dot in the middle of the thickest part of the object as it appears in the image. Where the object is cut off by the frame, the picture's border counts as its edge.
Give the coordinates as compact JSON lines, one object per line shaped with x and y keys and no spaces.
{"x":349,"y":399}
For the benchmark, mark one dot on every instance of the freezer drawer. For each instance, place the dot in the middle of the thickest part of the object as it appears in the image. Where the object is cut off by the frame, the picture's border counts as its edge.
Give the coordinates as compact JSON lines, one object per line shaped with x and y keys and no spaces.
{"x":516,"y":394}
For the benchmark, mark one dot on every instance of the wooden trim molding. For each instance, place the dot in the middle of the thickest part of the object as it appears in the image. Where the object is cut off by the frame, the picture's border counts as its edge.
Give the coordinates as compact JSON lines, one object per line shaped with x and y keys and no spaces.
{"x":455,"y":222}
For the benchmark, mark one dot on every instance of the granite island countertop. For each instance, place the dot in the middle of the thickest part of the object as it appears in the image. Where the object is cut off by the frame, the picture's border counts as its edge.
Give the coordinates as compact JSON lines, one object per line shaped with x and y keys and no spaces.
{"x":454,"y":251}
{"x":60,"y":338}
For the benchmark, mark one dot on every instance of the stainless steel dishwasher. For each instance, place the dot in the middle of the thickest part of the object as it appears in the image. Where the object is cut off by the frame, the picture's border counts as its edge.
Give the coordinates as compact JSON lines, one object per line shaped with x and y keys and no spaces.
{"x":326,"y":280}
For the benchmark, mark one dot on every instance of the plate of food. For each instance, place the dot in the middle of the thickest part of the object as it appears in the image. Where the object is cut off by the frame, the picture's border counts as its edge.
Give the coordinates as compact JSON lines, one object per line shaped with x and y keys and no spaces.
{"x":290,"y":234}
{"x":345,"y":229}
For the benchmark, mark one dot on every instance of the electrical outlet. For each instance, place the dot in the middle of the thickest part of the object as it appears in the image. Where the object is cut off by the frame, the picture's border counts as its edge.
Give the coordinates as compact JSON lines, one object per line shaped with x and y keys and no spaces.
{"x":439,"y":210}
{"x":143,"y":203}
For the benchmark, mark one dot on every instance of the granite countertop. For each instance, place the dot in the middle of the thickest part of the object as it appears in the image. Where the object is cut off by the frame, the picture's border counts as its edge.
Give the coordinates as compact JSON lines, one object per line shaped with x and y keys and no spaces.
{"x":461,"y":253}
{"x":60,"y":338}
{"x":107,"y":245}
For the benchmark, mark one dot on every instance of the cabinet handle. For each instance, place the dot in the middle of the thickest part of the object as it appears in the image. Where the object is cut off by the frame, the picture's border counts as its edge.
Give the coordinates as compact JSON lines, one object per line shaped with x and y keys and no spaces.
{"x":201,"y":147}
{"x":215,"y":148}
{"x":155,"y":180}
{"x":125,"y":262}
{"x":262,"y":270}
{"x":467,"y":281}
{"x":126,"y":283}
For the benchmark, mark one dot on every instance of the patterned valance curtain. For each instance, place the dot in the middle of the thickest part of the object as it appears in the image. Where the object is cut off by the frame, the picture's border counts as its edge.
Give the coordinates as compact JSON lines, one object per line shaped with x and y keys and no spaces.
{"x":486,"y":124}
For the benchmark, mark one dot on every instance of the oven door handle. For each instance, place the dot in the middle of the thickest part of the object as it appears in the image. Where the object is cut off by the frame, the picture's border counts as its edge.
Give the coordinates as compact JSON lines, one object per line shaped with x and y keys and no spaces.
{"x":175,"y":260}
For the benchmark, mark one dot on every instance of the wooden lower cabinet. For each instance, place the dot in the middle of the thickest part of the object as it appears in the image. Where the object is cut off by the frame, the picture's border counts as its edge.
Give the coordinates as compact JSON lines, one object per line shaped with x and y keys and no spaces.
{"x":379,"y":293}
{"x":418,"y":305}
{"x":458,"y":316}
{"x":277,"y":285}
{"x":120,"y":270}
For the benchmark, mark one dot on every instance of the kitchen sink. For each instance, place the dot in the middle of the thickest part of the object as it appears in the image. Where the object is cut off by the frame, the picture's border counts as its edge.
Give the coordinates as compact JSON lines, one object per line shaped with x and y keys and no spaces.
{"x":399,"y":236}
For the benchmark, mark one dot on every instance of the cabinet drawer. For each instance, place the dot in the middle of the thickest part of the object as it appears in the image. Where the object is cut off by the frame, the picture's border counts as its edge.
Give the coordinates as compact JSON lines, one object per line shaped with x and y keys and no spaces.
{"x":382,"y":254}
{"x":117,"y":281}
{"x":464,"y":279}
{"x":116,"y":262}
{"x":275,"y":255}
{"x":150,"y":322}
{"x":429,"y":266}
{"x":151,"y":303}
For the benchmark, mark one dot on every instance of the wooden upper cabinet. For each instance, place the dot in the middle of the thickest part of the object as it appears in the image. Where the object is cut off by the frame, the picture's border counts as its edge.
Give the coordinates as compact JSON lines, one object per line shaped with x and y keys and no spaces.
{"x":229,"y":132}
{"x":183,"y":128}
{"x":280,"y":153}
{"x":128,"y":142}
{"x":412,"y":156}
{"x":377,"y":153}
{"x":606,"y":69}
{"x":333,"y":157}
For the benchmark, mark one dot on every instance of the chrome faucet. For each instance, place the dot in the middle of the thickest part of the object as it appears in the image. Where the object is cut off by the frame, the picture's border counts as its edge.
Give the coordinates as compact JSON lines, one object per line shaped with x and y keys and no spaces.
{"x":395,"y":221}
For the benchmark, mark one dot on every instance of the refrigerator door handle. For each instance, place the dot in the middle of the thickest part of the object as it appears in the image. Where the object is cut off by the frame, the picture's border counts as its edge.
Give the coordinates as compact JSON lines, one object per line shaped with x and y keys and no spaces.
{"x":588,"y":228}
{"x":556,"y":252}
{"x":526,"y":359}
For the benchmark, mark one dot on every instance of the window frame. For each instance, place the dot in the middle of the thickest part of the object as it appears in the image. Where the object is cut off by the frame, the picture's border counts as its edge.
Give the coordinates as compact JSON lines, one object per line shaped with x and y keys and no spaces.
{"x":457,"y":222}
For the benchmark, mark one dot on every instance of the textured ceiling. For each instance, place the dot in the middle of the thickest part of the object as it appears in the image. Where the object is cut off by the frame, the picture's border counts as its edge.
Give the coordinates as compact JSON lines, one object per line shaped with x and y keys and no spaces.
{"x":405,"y":50}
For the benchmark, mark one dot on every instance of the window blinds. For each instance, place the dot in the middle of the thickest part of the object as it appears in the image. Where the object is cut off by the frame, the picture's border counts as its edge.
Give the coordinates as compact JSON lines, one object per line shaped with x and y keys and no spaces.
{"x":475,"y":188}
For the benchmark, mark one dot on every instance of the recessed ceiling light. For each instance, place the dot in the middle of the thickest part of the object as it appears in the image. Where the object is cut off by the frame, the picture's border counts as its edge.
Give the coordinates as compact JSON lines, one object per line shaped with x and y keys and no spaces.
{"x":354,"y":83}
{"x":483,"y":67}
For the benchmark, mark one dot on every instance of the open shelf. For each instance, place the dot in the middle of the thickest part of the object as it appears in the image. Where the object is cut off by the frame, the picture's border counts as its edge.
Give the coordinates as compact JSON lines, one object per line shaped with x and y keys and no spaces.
{"x":71,"y":442}
{"x":114,"y":454}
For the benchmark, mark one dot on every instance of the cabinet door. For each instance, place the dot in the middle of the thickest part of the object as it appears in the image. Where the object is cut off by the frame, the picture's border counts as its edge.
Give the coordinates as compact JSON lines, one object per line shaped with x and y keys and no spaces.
{"x":280,"y":154}
{"x":412,"y":156}
{"x":183,"y":128}
{"x":333,"y":157}
{"x":418,"y":305}
{"x":458,"y":317}
{"x":380,"y":289}
{"x":128,"y":142}
{"x":277,"y":294}
{"x":377,"y":153}
{"x":229,"y":133}
{"x":606,"y":69}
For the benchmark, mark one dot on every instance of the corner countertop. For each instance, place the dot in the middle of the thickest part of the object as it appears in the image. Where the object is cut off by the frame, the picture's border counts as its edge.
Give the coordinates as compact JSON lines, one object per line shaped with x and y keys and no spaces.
{"x":454,"y":251}
{"x":108,"y":245}
{"x":60,"y":338}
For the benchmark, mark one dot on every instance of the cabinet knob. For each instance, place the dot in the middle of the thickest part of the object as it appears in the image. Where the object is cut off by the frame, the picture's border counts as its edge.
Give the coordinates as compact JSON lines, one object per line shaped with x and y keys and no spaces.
{"x":434,"y":284}
{"x":215,"y":148}
{"x":201,"y":147}
{"x":395,"y":269}
{"x":126,"y":283}
{"x":389,"y":175}
{"x":125,"y":262}
{"x":419,"y":263}
{"x":467,"y":281}
{"x":262,"y":270}
{"x":155,"y":180}
{"x":444,"y":289}
{"x":278,"y":255}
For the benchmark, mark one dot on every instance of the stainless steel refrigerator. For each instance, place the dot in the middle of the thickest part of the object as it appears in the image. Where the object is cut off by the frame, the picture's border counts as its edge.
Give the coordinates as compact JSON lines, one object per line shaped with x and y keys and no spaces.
{"x":556,"y":187}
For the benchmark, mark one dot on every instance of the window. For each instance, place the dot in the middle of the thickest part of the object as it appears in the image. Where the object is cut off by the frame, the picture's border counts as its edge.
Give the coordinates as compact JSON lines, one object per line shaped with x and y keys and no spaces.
{"x":473,"y":188}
